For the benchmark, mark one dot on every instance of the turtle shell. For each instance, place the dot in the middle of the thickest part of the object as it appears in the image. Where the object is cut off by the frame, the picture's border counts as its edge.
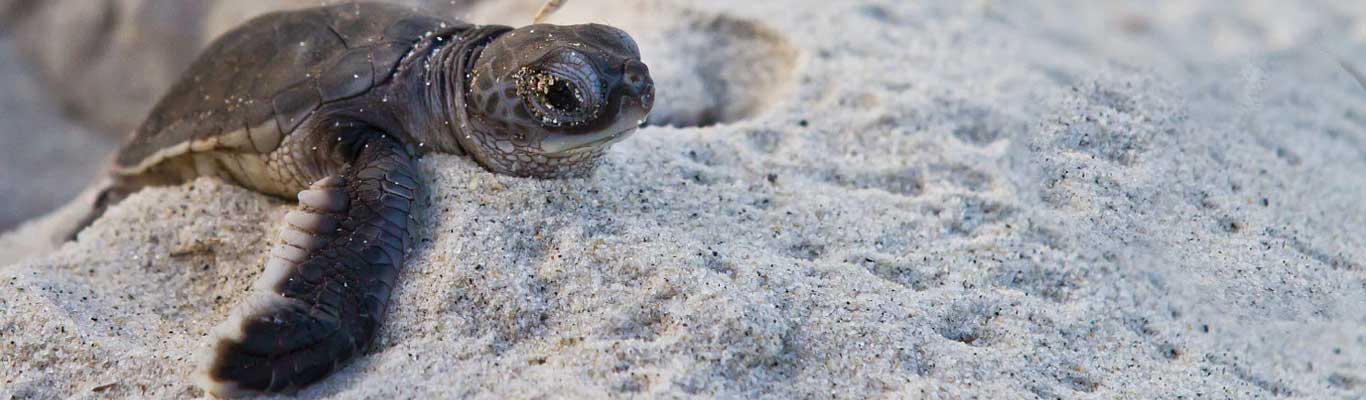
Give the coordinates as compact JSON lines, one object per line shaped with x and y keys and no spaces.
{"x":269,"y":74}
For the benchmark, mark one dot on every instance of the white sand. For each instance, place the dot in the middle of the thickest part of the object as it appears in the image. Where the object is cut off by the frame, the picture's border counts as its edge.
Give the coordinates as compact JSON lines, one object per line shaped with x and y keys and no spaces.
{"x":959,"y":199}
{"x":38,"y":145}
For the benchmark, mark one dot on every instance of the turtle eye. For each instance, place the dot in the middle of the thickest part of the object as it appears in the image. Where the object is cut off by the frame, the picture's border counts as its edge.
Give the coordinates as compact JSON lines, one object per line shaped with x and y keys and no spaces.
{"x":563,"y":96}
{"x":562,"y":92}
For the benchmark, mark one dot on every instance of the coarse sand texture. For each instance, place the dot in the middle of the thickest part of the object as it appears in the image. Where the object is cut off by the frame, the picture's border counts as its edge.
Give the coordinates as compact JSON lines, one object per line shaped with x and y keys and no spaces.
{"x":849,"y":199}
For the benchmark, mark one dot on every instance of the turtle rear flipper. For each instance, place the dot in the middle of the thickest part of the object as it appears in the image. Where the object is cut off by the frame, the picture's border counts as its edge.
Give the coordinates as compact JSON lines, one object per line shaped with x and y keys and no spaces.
{"x":111,"y":193}
{"x":323,"y":294}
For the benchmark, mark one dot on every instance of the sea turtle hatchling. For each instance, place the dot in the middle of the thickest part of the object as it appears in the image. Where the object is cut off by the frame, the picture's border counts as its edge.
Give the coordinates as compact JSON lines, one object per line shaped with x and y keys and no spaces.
{"x":332,"y":105}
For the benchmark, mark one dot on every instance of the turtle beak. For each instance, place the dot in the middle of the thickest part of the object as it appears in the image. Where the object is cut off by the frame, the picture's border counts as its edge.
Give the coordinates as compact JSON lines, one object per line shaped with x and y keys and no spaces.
{"x":561,"y":143}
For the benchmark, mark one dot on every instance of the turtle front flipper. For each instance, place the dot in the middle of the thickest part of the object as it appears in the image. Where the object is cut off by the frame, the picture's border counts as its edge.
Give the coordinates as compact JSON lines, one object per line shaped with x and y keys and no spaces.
{"x":323,"y":293}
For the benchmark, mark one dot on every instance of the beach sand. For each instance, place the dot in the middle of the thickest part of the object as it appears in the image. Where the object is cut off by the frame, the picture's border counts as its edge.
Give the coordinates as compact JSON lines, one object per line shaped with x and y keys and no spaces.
{"x":846,"y":199}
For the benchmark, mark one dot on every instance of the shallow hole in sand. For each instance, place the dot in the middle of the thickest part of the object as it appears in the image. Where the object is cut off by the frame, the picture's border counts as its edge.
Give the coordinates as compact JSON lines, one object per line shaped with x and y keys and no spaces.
{"x":708,"y":68}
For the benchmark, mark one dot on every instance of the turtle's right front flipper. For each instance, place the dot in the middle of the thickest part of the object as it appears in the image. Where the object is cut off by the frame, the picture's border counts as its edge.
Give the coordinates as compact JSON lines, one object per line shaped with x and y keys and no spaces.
{"x":323,"y":294}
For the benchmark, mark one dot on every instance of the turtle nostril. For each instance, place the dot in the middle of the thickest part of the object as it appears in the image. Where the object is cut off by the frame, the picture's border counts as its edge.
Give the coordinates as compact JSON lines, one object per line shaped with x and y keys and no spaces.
{"x":637,"y":76}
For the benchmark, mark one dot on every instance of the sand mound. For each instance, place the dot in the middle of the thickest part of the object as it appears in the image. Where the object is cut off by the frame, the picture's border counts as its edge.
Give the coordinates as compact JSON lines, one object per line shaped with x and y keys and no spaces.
{"x":963,"y":199}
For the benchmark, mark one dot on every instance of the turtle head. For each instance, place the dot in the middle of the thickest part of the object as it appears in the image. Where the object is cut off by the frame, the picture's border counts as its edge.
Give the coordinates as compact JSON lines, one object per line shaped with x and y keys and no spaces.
{"x":546,"y":100}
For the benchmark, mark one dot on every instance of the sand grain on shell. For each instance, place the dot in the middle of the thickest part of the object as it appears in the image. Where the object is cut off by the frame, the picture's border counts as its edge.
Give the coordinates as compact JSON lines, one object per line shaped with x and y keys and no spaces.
{"x":1002,"y":200}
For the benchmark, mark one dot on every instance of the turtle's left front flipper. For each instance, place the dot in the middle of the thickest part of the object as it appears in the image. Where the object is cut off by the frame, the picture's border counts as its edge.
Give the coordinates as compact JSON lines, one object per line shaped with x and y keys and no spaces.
{"x":323,"y":294}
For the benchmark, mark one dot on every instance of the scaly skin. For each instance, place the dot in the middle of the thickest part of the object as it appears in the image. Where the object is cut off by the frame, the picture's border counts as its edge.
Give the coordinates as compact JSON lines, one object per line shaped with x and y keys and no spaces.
{"x":322,"y":296}
{"x":540,"y":101}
